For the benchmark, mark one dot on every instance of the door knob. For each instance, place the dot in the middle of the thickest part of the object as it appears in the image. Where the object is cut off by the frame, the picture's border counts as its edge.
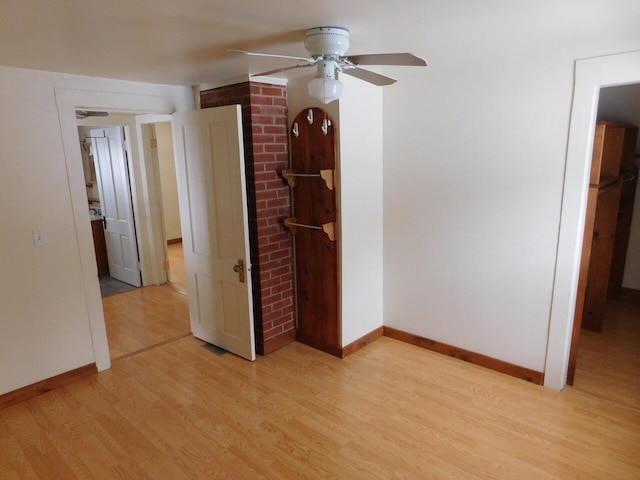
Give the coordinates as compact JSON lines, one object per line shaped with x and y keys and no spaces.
{"x":239,"y":269}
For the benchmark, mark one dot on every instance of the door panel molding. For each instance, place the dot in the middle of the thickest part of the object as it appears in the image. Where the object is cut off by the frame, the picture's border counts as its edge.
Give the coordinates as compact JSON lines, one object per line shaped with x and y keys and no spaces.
{"x":213,"y":210}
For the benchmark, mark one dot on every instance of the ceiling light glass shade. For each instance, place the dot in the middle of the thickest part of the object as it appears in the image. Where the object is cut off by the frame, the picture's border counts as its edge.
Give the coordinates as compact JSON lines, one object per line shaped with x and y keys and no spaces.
{"x":325,"y":89}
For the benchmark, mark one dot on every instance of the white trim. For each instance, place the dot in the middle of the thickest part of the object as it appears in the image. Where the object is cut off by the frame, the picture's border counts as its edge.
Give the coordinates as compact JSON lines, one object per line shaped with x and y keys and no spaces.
{"x":157,"y":244}
{"x":153,"y":118}
{"x":270,"y":80}
{"x":590,"y":75}
{"x":243,"y":79}
{"x":209,"y":86}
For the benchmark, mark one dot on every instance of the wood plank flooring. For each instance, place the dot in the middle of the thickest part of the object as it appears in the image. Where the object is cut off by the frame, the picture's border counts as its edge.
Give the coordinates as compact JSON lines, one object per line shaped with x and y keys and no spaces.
{"x":143,"y":318}
{"x":149,"y":316}
{"x":608,"y":363}
{"x":390,"y":411}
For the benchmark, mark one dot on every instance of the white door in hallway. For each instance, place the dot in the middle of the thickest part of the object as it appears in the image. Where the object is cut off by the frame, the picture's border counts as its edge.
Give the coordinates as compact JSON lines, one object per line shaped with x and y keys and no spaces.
{"x":112,"y":167}
{"x":215,"y":237}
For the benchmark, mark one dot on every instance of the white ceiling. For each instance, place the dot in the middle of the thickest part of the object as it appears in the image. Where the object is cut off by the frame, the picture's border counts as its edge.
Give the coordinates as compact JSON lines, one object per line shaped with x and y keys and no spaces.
{"x":185,"y":41}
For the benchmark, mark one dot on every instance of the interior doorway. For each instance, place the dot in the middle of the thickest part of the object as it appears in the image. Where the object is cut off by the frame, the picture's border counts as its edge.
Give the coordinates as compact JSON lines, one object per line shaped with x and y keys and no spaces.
{"x":607,"y":364}
{"x":136,"y":318}
{"x":591,"y":75}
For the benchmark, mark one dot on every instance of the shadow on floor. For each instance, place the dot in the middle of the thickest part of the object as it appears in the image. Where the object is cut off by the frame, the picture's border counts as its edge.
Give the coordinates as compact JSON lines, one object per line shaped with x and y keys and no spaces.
{"x":110,"y":286}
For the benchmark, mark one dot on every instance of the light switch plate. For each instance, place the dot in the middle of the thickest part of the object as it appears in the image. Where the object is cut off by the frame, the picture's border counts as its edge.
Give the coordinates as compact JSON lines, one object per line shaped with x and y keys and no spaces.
{"x":39,"y":237}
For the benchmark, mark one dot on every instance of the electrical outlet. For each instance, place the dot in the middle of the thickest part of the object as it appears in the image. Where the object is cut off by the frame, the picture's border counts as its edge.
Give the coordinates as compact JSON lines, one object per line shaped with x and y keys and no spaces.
{"x":39,"y":237}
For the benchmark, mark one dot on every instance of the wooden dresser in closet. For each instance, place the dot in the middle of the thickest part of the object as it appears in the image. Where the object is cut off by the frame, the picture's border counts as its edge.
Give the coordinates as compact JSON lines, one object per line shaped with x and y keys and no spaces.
{"x":611,"y":171}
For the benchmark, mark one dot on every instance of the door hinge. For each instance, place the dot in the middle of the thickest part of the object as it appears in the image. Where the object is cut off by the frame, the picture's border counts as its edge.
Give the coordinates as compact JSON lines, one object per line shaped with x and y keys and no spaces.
{"x":154,"y":143}
{"x":165,"y":265}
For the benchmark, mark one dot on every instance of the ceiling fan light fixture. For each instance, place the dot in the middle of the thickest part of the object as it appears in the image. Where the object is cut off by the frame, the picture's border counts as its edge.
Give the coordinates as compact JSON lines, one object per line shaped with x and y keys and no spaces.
{"x":325,"y":89}
{"x":325,"y":86}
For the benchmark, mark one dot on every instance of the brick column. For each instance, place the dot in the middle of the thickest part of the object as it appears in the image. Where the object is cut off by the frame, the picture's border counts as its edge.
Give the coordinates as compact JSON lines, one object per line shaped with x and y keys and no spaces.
{"x":264,"y":118}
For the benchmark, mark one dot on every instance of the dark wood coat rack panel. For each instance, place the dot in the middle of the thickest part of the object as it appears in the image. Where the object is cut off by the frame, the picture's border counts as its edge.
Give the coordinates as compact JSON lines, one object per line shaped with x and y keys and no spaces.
{"x":313,"y":159}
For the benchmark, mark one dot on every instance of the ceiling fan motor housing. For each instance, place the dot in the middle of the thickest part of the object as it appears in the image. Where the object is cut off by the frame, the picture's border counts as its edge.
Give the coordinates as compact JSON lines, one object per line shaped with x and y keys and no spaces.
{"x":326,"y":41}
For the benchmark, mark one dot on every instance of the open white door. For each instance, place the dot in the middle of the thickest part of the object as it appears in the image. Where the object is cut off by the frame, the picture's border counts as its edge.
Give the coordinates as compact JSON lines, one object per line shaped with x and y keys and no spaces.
{"x":115,"y":199}
{"x":215,"y":234}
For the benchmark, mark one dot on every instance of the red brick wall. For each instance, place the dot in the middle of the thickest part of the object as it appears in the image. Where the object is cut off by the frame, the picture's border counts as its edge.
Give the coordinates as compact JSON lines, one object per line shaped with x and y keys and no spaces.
{"x":264,"y":116}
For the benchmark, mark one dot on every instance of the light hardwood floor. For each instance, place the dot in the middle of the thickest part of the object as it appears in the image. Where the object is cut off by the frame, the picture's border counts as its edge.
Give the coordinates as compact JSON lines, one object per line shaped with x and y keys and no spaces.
{"x":148,"y":316}
{"x":143,"y":318}
{"x":390,"y":411}
{"x":177,"y":411}
{"x":608,"y":363}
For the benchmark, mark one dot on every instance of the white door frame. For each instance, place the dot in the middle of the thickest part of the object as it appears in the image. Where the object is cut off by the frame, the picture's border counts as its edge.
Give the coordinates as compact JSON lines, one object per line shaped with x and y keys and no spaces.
{"x":590,"y":76}
{"x":157,"y":234}
{"x":68,"y":101}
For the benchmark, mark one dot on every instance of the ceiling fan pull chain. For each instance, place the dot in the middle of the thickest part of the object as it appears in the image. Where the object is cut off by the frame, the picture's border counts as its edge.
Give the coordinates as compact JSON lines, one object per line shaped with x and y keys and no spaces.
{"x":310,"y":117}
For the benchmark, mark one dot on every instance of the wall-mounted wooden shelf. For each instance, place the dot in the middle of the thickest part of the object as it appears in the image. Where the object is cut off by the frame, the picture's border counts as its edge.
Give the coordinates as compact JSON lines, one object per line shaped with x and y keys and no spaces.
{"x":327,"y":175}
{"x":329,"y":228}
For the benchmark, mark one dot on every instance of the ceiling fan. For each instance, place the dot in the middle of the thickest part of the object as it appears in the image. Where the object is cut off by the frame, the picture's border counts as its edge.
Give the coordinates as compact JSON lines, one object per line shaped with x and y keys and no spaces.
{"x":327,"y":47}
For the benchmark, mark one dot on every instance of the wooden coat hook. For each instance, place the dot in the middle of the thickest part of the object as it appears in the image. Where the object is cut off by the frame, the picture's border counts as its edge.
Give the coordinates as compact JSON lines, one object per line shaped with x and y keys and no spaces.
{"x":328,"y":228}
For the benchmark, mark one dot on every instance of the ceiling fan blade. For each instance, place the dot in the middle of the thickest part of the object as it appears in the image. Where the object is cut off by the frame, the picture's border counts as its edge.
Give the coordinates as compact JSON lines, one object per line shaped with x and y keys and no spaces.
{"x":275,"y":55}
{"x":406,"y":59}
{"x":278,"y":70}
{"x":368,"y":76}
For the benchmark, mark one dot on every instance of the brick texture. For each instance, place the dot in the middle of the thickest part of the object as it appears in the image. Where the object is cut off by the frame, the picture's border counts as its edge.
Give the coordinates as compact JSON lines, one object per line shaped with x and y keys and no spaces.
{"x":264,"y":118}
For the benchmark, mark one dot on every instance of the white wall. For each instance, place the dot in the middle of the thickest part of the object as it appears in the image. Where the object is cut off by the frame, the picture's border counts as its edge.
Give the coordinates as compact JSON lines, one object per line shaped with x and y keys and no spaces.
{"x":474,"y":161}
{"x":361,"y":216}
{"x":51,"y":317}
{"x":168,"y":182}
{"x":43,"y":318}
{"x":358,"y":115}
